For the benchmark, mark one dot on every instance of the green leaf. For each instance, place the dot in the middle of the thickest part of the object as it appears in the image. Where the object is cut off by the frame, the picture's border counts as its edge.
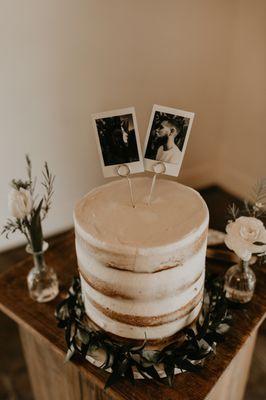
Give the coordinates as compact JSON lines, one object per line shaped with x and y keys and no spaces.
{"x":109,"y":359}
{"x":136,"y":349}
{"x":84,"y":349}
{"x":129,"y":374}
{"x":83,"y":336}
{"x":70,"y":333}
{"x":152,"y":372}
{"x":118,"y":371}
{"x":149,"y":357}
{"x":186,"y":365}
{"x":169,"y":369}
{"x":35,"y":229}
{"x":69,"y":354}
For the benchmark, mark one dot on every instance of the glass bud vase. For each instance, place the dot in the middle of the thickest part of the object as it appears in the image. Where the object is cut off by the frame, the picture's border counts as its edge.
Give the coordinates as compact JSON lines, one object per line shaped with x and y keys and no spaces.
{"x":239,"y":283}
{"x":42,"y":280}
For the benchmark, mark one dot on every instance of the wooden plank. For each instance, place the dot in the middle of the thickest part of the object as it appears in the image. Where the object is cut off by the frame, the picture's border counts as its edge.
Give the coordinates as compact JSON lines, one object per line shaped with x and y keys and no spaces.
{"x":51,"y":377}
{"x":232,"y":383}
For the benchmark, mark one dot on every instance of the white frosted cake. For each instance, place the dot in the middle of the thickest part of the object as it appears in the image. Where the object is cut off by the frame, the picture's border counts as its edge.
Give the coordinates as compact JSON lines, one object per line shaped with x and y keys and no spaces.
{"x":142,"y":269}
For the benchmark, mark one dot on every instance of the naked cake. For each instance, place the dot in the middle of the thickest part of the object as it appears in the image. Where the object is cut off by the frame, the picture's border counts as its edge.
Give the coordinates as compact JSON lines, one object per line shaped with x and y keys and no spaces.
{"x":142,"y":269}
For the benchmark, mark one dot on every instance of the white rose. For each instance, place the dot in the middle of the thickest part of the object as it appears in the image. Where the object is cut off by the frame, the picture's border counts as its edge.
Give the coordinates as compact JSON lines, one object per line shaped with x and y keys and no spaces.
{"x":242,"y":234}
{"x":19,"y":203}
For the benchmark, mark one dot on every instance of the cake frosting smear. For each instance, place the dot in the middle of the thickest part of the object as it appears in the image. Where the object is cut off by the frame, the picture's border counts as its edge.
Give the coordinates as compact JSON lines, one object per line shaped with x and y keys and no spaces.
{"x":142,"y":269}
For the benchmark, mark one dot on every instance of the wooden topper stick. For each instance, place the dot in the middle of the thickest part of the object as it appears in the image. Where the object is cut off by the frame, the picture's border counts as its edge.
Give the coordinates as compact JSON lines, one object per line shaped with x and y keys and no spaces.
{"x":124,"y":171}
{"x":158,"y":168}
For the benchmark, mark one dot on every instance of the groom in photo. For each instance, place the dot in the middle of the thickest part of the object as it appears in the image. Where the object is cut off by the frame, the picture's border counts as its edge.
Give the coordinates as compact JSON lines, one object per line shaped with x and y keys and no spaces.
{"x":170,"y":151}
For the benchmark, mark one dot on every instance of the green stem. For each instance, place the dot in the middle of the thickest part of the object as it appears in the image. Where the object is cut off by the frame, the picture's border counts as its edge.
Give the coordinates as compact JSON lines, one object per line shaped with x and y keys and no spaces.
{"x":245,"y":266}
{"x":26,"y":231}
{"x":35,"y":230}
{"x":39,"y":262}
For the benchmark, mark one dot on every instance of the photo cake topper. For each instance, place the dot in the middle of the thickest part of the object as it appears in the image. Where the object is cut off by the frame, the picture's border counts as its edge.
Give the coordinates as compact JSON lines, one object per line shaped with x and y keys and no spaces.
{"x":118,"y":142}
{"x":166,"y":139}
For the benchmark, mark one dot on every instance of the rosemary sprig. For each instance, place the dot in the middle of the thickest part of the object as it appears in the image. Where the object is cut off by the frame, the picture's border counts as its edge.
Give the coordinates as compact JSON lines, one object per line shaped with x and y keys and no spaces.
{"x":259,"y":191}
{"x":258,"y":197}
{"x":233,"y":211}
{"x":11,"y":226}
{"x":256,"y":207}
{"x":48,"y":184}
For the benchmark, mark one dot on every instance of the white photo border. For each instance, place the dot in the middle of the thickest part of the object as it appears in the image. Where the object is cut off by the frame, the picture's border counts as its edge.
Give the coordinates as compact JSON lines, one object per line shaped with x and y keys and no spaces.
{"x":170,"y":169}
{"x":111,"y":170}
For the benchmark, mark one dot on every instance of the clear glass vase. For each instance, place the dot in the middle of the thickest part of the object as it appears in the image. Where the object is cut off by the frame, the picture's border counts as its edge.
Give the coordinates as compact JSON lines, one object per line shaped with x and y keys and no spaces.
{"x":239,"y":283}
{"x":42,"y":280}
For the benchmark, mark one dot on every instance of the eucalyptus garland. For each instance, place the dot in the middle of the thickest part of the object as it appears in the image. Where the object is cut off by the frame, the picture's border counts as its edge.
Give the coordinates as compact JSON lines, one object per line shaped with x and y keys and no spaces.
{"x":123,"y":359}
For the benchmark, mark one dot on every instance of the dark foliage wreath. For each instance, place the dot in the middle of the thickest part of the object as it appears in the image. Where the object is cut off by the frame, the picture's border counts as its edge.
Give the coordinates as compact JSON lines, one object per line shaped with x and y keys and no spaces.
{"x":123,"y":359}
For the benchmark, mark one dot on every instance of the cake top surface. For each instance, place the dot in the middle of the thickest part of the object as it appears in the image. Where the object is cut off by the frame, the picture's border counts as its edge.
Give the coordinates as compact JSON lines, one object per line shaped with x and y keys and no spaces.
{"x":106,"y":213}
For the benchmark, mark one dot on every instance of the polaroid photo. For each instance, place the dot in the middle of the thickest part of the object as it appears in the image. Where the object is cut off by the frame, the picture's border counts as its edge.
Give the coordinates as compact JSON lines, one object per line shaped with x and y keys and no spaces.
{"x":118,"y":141}
{"x":167,"y":138}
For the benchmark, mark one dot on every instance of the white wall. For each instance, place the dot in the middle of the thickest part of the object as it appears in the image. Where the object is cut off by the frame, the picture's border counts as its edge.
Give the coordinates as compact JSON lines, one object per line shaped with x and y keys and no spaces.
{"x":62,"y":60}
{"x":243,"y":157}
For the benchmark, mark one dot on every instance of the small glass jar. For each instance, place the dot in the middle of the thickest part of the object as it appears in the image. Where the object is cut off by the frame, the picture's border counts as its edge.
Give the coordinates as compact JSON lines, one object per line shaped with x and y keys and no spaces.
{"x":239,"y":283}
{"x":42,"y":280}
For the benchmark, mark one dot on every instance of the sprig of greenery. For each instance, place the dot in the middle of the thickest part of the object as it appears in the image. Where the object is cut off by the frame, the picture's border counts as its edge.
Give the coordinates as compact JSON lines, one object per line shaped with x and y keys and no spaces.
{"x":233,"y":211}
{"x":124,"y":359}
{"x":29,"y":167}
{"x":257,"y":204}
{"x":29,"y":173}
{"x":48,"y":184}
{"x":258,"y":196}
{"x":256,"y":207}
{"x":259,"y":191}
{"x":11,"y":226}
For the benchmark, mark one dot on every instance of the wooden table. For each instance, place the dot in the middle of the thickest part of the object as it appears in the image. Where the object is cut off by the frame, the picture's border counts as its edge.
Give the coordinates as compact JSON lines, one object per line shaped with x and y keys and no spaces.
{"x":44,"y":346}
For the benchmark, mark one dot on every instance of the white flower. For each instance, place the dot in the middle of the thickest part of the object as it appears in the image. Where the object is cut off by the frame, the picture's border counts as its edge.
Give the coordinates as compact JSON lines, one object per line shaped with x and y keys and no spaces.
{"x":19,"y":203}
{"x":242,"y":234}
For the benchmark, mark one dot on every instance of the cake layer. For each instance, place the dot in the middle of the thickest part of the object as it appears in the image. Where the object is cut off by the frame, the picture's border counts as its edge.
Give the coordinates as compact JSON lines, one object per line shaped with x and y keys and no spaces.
{"x":144,"y":286}
{"x":146,"y":238}
{"x":147,"y":308}
{"x":121,"y":329}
